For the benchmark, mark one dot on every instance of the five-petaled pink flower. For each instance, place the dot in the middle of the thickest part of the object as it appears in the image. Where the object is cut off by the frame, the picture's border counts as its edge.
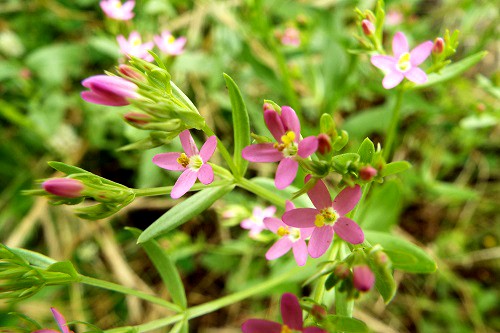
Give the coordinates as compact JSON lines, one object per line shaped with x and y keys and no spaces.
{"x":285,"y":128}
{"x":108,"y":90}
{"x":170,"y":45}
{"x":327,"y":218}
{"x":291,"y":37}
{"x":116,"y":10}
{"x":133,"y":46}
{"x":255,"y":223}
{"x":404,"y":62}
{"x":290,"y":238}
{"x":292,"y":320}
{"x":192,"y":162}
{"x":61,"y":322}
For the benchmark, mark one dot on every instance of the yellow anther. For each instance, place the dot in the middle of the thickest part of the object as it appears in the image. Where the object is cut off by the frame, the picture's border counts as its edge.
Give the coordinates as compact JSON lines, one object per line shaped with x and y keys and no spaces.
{"x":136,"y":42}
{"x":319,"y":221}
{"x":183,"y":160}
{"x":282,"y":231}
{"x":118,"y":4}
{"x":288,"y":138}
{"x":171,"y":39}
{"x":285,"y":329}
{"x":404,"y":61}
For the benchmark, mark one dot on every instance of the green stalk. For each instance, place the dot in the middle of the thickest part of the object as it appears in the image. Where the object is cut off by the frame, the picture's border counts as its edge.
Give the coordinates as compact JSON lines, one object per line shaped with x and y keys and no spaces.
{"x":261,"y":192}
{"x":319,"y":290}
{"x":393,"y":126}
{"x":129,"y":291}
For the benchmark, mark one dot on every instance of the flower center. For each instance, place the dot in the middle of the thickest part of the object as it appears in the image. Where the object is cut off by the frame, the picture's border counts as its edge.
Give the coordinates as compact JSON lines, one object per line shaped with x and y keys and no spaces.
{"x":285,"y":329}
{"x":292,"y":233}
{"x":288,"y":146}
{"x":194,"y":162}
{"x":171,"y":39}
{"x":117,"y":4}
{"x":404,"y":62}
{"x":136,"y":42}
{"x":326,"y":216}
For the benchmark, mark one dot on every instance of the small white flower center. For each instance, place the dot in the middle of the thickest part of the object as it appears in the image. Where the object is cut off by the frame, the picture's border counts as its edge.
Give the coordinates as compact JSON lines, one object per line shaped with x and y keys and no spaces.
{"x":194,"y":162}
{"x":327,"y":216}
{"x":404,"y":62}
{"x":136,"y":42}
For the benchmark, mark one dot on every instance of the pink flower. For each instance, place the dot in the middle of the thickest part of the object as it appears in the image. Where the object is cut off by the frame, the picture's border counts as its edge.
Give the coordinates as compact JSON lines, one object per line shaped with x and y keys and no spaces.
{"x":291,"y":37}
{"x":327,"y":218}
{"x":292,"y":320}
{"x":291,"y":238}
{"x":170,"y":45}
{"x":63,"y":187}
{"x":362,"y":278}
{"x":256,"y":222}
{"x":192,"y":162}
{"x":108,"y":90}
{"x":61,"y":322}
{"x":404,"y":63}
{"x":285,"y":128}
{"x":116,"y":10}
{"x":133,"y":46}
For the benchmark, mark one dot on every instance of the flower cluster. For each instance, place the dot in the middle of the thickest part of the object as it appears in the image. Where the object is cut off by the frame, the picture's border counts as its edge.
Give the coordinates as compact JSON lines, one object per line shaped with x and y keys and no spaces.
{"x":166,"y":42}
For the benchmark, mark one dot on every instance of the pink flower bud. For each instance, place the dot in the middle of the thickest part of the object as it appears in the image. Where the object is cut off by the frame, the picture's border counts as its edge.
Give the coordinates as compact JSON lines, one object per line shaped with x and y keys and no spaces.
{"x":318,"y":312}
{"x":368,"y":27}
{"x":63,"y":187}
{"x":108,"y":90}
{"x":267,"y":107}
{"x":438,"y":46}
{"x":363,"y":278}
{"x":324,"y":143}
{"x":136,"y":118}
{"x":380,"y":258}
{"x":342,"y":271}
{"x":367,"y":172}
{"x":131,"y":72}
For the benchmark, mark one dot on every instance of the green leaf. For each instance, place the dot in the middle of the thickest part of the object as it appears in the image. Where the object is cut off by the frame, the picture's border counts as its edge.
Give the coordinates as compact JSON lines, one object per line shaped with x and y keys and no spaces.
{"x":241,"y":124}
{"x":166,"y":268}
{"x":34,"y":258}
{"x":184,"y":211}
{"x":384,"y":279}
{"x":453,"y":70}
{"x":394,"y":168}
{"x":65,"y":267}
{"x":366,"y":151}
{"x":345,"y":324}
{"x":403,"y":254}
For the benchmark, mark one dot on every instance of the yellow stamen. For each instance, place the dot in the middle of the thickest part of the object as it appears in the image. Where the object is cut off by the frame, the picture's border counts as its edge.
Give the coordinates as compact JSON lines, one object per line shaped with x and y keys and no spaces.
{"x":404,"y":62}
{"x":285,"y":329}
{"x":326,"y":216}
{"x":183,"y":160}
{"x":288,"y":138}
{"x":282,"y":231}
{"x":118,"y":4}
{"x":319,"y":221}
{"x":171,"y":39}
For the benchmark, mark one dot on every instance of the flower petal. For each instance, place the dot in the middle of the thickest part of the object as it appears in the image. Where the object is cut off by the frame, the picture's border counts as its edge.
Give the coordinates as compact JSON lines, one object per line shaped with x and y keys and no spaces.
{"x":282,"y":246}
{"x":184,"y":183}
{"x":349,"y":230}
{"x":392,"y":79}
{"x":420,"y":53}
{"x":300,"y":217}
{"x":274,"y":124}
{"x":188,"y":143}
{"x":286,"y":172}
{"x":399,"y":44}
{"x":308,"y":146}
{"x":206,"y":174}
{"x":61,"y":322}
{"x":299,"y":249}
{"x":319,"y":195}
{"x":289,"y":206}
{"x":168,"y":161}
{"x":273,"y":223}
{"x":261,"y":152}
{"x":46,"y":330}
{"x":260,"y":326}
{"x":347,"y":199}
{"x":291,"y":313}
{"x":320,"y":241}
{"x":313,"y":330}
{"x":290,"y":121}
{"x":416,"y":75}
{"x":385,"y":63}
{"x":208,"y":148}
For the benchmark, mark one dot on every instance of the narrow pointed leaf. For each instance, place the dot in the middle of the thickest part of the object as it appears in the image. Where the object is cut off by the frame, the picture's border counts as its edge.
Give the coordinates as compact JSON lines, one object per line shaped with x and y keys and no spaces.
{"x":394,"y":168}
{"x":366,"y":151}
{"x":241,"y":124}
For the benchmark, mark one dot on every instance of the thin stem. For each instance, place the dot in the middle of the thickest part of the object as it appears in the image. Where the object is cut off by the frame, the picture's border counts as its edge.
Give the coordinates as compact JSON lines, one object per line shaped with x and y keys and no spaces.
{"x":261,"y":191}
{"x":355,"y":212}
{"x":393,"y":126}
{"x":319,"y":289}
{"x":129,"y":291}
{"x":212,"y":306}
{"x":222,"y":149}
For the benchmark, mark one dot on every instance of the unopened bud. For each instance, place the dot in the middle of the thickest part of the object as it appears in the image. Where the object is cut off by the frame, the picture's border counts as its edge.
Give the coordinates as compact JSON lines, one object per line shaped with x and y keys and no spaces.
{"x":63,"y":187}
{"x":380,"y":258}
{"x":438,"y":46}
{"x":318,"y":312}
{"x":367,"y":172}
{"x":267,"y":107}
{"x":342,"y":271}
{"x":368,"y":27}
{"x":137,"y":119}
{"x":131,"y":72}
{"x":363,"y":278}
{"x":324,"y":143}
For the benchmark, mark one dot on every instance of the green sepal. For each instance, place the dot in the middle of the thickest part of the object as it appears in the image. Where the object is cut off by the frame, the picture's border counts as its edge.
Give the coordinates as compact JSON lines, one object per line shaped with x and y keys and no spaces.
{"x":366,"y":151}
{"x":65,"y":267}
{"x":327,"y":125}
{"x":342,"y":162}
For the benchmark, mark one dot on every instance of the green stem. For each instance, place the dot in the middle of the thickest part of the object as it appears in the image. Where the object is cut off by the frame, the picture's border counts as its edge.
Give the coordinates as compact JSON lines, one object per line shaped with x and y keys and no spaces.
{"x":319,"y":289}
{"x":154,"y":191}
{"x":223,"y":151}
{"x":129,"y":291}
{"x":212,"y":306}
{"x":261,"y":192}
{"x":355,"y":212}
{"x":393,"y":126}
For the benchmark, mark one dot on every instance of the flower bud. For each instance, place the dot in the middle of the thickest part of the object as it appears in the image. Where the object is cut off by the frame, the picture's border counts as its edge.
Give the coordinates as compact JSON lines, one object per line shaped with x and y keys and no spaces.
{"x":108,"y":90}
{"x":324,"y":144}
{"x":137,"y":119}
{"x":438,"y":46}
{"x":291,"y":37}
{"x":63,"y":187}
{"x":380,"y":258}
{"x":367,"y":172}
{"x":342,"y":271}
{"x":368,"y":27}
{"x":318,"y":312}
{"x":363,"y":278}
{"x":131,"y":72}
